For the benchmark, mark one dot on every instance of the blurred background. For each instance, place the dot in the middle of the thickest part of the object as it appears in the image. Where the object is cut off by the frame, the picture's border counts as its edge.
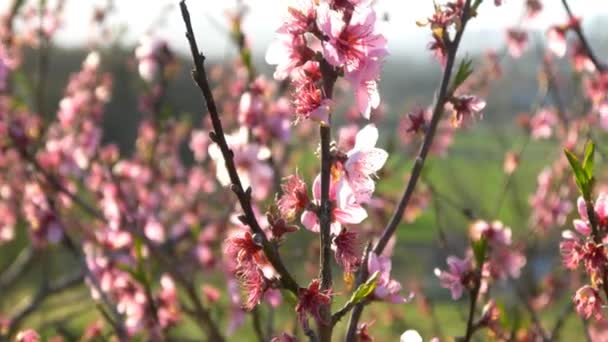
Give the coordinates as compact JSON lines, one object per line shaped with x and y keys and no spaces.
{"x":469,"y":179}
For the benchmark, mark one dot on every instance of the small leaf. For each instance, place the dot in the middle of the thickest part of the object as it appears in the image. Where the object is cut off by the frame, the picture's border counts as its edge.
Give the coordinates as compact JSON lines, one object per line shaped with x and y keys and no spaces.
{"x":289,"y":297}
{"x":246,"y":57}
{"x":365,"y":289}
{"x":136,"y":274}
{"x":588,"y":160}
{"x":479,"y":250}
{"x":464,"y":71}
{"x":580,"y":175}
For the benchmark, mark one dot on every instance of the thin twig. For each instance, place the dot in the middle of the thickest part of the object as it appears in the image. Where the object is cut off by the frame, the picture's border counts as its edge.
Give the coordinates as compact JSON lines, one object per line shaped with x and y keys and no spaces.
{"x":474,"y":294}
{"x":217,"y":135}
{"x":533,"y":314}
{"x":257,"y":324}
{"x":42,"y":294}
{"x":559,"y":323}
{"x":17,"y":268}
{"x":325,"y":210}
{"x":441,"y":100}
{"x":581,"y":36}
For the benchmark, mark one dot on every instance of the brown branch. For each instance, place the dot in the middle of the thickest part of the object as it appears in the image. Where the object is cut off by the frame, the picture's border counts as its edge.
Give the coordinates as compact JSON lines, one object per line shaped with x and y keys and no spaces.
{"x":441,"y":99}
{"x":474,"y":294}
{"x":17,"y":268}
{"x":325,"y":209}
{"x":43,"y":293}
{"x":523,"y":296}
{"x":257,"y":324}
{"x":599,"y":66}
{"x":559,"y":323}
{"x":337,"y":316}
{"x":217,"y":135}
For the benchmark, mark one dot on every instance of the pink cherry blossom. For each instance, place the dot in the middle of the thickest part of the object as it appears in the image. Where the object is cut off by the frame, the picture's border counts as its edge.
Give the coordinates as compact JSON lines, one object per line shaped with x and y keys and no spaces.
{"x":288,"y":52}
{"x":503,"y":260}
{"x":284,"y":337}
{"x":346,"y":249}
{"x":167,"y":302}
{"x":580,"y":58}
{"x":362,"y":163}
{"x":310,"y":300}
{"x":543,"y":123}
{"x":294,"y":197}
{"x":308,"y":99}
{"x":495,"y":232}
{"x":517,"y":42}
{"x":456,"y":278}
{"x":251,"y":163}
{"x":28,"y":335}
{"x":350,"y":44}
{"x":465,"y":108}
{"x":603,"y":114}
{"x":364,"y":80}
{"x":345,"y":208}
{"x":571,"y":250}
{"x":387,"y":289}
{"x":300,"y":18}
{"x":248,"y":256}
{"x":533,"y":8}
{"x":588,"y":302}
{"x":347,"y":137}
{"x":152,"y":53}
{"x":199,"y":143}
{"x":556,"y":37}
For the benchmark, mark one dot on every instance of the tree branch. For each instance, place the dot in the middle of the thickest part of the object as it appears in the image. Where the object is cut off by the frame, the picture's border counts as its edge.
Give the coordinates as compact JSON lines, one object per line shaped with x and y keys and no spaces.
{"x":441,"y":99}
{"x":217,"y":135}
{"x":599,"y":66}
{"x":17,"y":268}
{"x":43,"y":293}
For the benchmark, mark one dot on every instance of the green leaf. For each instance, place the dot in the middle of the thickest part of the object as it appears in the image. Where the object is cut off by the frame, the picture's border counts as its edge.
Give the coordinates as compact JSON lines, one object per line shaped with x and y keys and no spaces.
{"x":588,"y":160}
{"x":289,"y":297}
{"x":480,"y":248}
{"x":580,"y":175}
{"x":465,"y":69}
{"x":365,"y":289}
{"x":136,"y":274}
{"x":246,"y":57}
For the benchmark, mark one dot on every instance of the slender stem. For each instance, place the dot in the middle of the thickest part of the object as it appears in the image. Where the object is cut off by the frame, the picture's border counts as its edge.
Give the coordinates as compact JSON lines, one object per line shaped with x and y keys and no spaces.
{"x":581,"y":36}
{"x":351,"y":333}
{"x":17,"y":268}
{"x":43,"y":293}
{"x":244,"y":196}
{"x":533,"y":314}
{"x":257,"y":324}
{"x":472,"y":305}
{"x":115,"y":319}
{"x":559,"y":323}
{"x":442,"y":98}
{"x":325,"y":209}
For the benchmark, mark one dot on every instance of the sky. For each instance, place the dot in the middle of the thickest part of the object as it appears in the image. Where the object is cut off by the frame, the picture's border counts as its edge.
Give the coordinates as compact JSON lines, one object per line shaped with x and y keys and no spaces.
{"x":141,"y":16}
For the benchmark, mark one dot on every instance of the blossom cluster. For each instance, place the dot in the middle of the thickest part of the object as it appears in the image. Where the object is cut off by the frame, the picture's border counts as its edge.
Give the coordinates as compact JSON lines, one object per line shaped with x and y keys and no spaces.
{"x":585,"y":247}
